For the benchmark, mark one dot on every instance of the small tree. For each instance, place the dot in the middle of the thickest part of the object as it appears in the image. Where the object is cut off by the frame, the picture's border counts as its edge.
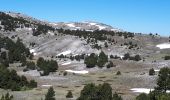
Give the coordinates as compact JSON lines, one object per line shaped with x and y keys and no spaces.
{"x":151,"y":71}
{"x":33,"y":84}
{"x":137,"y":58}
{"x":69,"y":95}
{"x":110,"y":64}
{"x":106,"y":45}
{"x":142,"y":96}
{"x":118,"y":73}
{"x":50,"y":94}
{"x":7,"y":97}
{"x":116,"y":97}
{"x":163,"y":82}
{"x":102,"y":59}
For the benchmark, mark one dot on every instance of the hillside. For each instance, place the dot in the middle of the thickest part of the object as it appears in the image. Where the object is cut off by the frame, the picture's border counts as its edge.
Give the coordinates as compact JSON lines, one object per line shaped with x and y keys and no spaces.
{"x":82,"y":53}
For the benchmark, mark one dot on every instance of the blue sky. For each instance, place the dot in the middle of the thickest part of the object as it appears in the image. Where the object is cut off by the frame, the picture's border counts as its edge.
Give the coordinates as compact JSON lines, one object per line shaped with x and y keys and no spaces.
{"x":131,"y":15}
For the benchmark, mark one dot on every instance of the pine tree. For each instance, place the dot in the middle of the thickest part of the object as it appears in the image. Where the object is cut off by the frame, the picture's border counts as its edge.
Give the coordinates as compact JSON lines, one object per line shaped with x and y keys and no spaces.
{"x":50,"y":94}
{"x":163,"y":81}
{"x":69,"y":95}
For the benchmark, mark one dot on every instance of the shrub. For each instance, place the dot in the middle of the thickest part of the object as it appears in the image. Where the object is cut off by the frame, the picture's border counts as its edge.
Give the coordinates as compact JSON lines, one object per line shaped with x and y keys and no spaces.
{"x":69,"y":95}
{"x":118,"y":73}
{"x":142,"y":96}
{"x":151,"y":71}
{"x":167,"y":58}
{"x":65,"y":73}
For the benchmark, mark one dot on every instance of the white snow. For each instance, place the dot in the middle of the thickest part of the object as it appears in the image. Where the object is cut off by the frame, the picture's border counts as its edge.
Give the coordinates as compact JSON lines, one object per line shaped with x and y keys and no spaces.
{"x":70,"y":25}
{"x":141,"y":90}
{"x":64,"y":53}
{"x":121,"y":57}
{"x":51,"y":33}
{"x":78,"y":72}
{"x":30,"y":29}
{"x":54,"y":23}
{"x":156,"y":70}
{"x":33,"y":51}
{"x":101,"y":27}
{"x":46,"y":85}
{"x":92,"y":23}
{"x":144,"y":90}
{"x":163,"y":46}
{"x":67,"y":63}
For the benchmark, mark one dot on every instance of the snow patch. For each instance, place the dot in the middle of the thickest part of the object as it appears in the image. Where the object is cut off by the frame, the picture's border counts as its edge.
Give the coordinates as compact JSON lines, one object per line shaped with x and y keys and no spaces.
{"x":77,"y":72}
{"x":33,"y":51}
{"x":141,"y":90}
{"x":101,"y":27}
{"x":54,"y":23}
{"x":121,"y":57}
{"x":46,"y":85}
{"x":156,"y":70}
{"x":163,"y":46}
{"x":30,"y":29}
{"x":51,"y":33}
{"x":70,"y":25}
{"x":92,"y":23}
{"x":144,"y":90}
{"x":65,"y":53}
{"x":67,"y":63}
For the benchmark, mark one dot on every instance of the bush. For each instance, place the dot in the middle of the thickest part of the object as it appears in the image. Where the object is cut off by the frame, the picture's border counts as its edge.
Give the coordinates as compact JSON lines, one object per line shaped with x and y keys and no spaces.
{"x":91,"y":61}
{"x":32,"y":84}
{"x":65,"y":73}
{"x":10,"y":80}
{"x":110,"y":64}
{"x":116,"y":97}
{"x":118,"y":73}
{"x":7,"y":96}
{"x":100,"y":92}
{"x":69,"y":95}
{"x":151,"y":71}
{"x":31,"y":65}
{"x":47,"y":66}
{"x":50,"y":94}
{"x":142,"y":96}
{"x":167,"y":58}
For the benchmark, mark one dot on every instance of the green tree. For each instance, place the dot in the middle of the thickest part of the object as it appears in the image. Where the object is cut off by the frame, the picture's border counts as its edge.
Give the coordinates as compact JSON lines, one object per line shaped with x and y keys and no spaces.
{"x":91,"y":60}
{"x":31,"y":65}
{"x":100,"y":92}
{"x":116,"y":97}
{"x":32,"y":84}
{"x":69,"y":95}
{"x":137,"y":58}
{"x":142,"y":96}
{"x":50,"y":94}
{"x":118,"y":73}
{"x":7,"y":97}
{"x":102,"y":59}
{"x":105,"y":92}
{"x":106,"y":45}
{"x":151,"y":71}
{"x":163,"y":82}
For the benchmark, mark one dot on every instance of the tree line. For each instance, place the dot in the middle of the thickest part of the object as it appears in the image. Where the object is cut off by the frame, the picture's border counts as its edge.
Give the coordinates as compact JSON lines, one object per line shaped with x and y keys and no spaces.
{"x":92,"y":60}
{"x":11,"y":51}
{"x":9,"y":79}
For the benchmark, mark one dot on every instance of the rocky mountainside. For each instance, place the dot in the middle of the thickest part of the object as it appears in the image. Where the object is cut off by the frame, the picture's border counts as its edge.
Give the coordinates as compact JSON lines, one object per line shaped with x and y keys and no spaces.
{"x":66,"y":50}
{"x":76,"y":37}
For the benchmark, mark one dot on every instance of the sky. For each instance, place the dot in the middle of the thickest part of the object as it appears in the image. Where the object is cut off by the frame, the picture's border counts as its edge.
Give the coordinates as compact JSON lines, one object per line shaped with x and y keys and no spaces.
{"x":143,"y":16}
